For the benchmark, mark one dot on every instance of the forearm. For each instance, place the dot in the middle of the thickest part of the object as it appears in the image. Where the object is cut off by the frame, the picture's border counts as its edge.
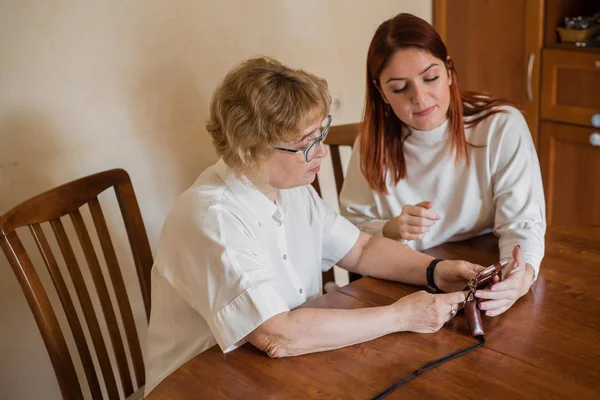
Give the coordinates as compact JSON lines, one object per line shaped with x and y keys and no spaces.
{"x":310,"y":330}
{"x":387,"y":259}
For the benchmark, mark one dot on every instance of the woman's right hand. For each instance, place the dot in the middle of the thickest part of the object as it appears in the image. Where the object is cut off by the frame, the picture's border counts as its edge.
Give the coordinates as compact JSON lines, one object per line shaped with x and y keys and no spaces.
{"x":424,"y":312}
{"x":413,"y":223}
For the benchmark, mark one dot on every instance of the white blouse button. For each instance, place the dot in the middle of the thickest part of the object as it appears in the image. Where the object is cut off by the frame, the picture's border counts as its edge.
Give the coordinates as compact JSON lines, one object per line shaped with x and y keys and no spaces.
{"x":301,"y":291}
{"x":278,"y":223}
{"x":285,"y":256}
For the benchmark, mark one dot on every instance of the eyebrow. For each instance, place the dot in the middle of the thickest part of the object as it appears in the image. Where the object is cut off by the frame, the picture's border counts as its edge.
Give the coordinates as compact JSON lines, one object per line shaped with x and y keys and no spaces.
{"x":404,"y":79}
{"x":307,"y":135}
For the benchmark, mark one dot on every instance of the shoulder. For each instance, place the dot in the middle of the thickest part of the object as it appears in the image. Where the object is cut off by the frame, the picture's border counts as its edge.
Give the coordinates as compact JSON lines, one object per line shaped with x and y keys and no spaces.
{"x":506,"y":122}
{"x":204,"y":207}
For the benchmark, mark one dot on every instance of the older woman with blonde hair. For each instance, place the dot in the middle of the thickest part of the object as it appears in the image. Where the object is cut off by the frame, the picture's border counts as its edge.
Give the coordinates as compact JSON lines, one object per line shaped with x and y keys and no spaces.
{"x":245,"y":245}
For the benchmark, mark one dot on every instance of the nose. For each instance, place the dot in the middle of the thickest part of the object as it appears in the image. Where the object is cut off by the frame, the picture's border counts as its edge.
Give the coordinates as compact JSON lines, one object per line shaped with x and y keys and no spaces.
{"x":322,"y":150}
{"x":417,"y":94}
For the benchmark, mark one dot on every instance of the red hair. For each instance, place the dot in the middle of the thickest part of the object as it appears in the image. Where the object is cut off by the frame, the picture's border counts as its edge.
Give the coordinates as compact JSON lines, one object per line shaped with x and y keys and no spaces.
{"x":381,"y":141}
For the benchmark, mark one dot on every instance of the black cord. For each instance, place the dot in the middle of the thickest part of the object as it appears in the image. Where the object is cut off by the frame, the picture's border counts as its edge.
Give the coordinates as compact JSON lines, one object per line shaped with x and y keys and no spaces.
{"x":430,"y":365}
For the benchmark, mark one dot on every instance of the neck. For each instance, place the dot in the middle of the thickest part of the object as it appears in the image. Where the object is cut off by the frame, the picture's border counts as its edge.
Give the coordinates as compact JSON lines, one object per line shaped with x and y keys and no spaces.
{"x":264,"y":187}
{"x":271,"y":194}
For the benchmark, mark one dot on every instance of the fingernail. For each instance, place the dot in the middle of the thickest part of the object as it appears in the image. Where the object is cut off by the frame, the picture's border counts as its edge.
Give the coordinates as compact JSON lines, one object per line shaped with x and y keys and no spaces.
{"x":519,"y":246}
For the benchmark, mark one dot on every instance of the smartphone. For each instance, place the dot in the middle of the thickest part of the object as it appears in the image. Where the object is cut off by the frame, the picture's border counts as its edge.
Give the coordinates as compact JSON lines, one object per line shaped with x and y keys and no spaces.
{"x":485,"y":276}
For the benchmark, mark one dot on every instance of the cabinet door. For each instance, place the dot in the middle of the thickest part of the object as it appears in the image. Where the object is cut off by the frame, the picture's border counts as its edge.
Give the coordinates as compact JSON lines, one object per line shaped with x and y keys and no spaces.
{"x":571,"y":172}
{"x":496,"y":47}
{"x":571,"y":86}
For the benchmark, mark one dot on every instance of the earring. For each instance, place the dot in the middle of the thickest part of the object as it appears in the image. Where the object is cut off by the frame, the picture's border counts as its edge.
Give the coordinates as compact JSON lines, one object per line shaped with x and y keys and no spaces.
{"x":386,"y":110}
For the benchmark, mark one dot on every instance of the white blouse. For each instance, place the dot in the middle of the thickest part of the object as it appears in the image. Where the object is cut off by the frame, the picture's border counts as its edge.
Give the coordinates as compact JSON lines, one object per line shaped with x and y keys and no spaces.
{"x":501,"y":189}
{"x":228,"y":259}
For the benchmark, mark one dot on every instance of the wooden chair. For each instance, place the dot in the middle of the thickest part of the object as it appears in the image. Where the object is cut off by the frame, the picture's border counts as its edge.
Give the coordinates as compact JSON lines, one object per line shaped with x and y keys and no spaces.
{"x":340,"y":135}
{"x":65,"y":200}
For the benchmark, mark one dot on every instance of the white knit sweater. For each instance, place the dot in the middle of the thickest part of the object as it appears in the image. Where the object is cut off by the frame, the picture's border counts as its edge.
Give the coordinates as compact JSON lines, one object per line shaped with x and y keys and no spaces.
{"x":500,"y":191}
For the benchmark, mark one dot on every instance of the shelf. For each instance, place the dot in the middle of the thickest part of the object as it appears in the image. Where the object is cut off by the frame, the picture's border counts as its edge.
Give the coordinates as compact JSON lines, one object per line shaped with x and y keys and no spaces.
{"x":572,"y":47}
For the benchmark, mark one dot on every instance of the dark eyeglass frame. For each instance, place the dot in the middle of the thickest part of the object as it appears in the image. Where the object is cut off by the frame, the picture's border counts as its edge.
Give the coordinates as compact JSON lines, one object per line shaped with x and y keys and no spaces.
{"x":315,"y":142}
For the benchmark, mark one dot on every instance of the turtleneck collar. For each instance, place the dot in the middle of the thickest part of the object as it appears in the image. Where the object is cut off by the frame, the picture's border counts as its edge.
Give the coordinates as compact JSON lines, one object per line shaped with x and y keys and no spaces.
{"x":433,"y":136}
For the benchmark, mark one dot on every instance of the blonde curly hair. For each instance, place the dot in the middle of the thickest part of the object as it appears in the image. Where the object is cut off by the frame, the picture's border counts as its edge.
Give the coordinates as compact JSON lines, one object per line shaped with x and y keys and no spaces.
{"x":261,"y":104}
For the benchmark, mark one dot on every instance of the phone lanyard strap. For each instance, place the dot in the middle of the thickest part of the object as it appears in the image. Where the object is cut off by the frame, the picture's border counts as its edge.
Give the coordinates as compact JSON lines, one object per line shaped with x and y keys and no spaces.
{"x":431,"y":365}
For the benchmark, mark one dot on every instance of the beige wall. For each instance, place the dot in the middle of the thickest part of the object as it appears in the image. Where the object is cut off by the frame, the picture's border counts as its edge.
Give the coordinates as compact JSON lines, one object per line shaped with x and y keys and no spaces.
{"x":92,"y":85}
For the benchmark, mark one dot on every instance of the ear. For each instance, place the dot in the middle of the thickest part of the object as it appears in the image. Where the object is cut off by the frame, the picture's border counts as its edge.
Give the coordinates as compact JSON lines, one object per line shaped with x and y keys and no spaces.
{"x":380,"y":92}
{"x":449,"y":68}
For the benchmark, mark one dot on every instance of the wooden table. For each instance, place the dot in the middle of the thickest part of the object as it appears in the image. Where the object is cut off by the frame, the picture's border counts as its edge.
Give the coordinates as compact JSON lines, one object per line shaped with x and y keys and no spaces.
{"x":546,"y":346}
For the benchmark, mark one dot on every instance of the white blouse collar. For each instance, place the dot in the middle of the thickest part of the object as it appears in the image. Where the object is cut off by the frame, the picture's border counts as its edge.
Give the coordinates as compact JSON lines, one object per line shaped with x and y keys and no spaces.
{"x":258,"y":204}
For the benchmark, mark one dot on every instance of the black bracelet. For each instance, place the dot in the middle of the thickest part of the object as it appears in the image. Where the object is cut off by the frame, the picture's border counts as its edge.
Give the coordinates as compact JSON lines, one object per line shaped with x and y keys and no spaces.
{"x":430,"y":269}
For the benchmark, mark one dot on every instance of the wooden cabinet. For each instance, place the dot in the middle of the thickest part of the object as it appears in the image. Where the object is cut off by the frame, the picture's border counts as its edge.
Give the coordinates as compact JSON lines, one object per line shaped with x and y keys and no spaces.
{"x":571,"y":86}
{"x":570,"y":165}
{"x":510,"y":48}
{"x":496,"y":47}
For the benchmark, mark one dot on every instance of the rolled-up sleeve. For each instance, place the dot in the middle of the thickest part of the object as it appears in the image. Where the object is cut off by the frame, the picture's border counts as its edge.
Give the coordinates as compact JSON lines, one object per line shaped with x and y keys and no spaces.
{"x":218,"y":271}
{"x":339,"y":234}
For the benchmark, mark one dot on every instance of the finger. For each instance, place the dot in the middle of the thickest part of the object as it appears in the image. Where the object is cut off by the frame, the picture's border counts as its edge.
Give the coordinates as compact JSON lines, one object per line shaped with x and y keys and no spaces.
{"x":417,"y":229}
{"x":474,"y":267}
{"x":517,"y":254}
{"x":417,"y":221}
{"x":423,"y":212}
{"x":454,"y":297}
{"x":468,"y":270}
{"x":496,"y":312}
{"x":493,"y":305}
{"x":488,"y":294}
{"x":425,"y":204}
{"x":412,"y":236}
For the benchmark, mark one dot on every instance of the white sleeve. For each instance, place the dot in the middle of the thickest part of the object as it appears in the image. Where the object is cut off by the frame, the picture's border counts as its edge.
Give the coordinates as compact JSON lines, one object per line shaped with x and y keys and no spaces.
{"x":358,"y":202}
{"x":339,"y":235}
{"x":215,"y":265}
{"x":520,"y":216}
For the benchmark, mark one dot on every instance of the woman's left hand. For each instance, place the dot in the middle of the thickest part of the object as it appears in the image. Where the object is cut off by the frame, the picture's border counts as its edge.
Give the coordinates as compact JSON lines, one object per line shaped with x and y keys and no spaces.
{"x":502,"y":295}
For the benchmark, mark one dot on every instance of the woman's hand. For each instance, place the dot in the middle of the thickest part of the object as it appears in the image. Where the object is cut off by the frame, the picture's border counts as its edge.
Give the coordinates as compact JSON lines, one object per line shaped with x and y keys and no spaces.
{"x":453,"y":275}
{"x":502,"y":295}
{"x":413,"y":223}
{"x":424,"y":312}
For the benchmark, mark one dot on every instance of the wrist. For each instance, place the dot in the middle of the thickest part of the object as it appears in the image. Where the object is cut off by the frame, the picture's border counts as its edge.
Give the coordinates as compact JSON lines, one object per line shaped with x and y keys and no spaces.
{"x":390,"y":230}
{"x":398,"y":313}
{"x":430,"y":274}
{"x":529,"y":277}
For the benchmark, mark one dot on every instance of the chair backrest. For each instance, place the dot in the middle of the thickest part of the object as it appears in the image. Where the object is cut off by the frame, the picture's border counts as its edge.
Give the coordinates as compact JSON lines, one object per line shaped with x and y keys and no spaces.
{"x":49,"y":207}
{"x":339,"y":135}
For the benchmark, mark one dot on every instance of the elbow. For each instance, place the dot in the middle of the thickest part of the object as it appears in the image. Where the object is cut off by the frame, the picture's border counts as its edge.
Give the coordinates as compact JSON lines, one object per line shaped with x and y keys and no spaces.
{"x":271,"y":340}
{"x":275,"y":346}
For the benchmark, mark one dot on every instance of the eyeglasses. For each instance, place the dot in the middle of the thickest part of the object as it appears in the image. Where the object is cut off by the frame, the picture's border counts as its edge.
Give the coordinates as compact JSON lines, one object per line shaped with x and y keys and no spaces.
{"x":310,"y":151}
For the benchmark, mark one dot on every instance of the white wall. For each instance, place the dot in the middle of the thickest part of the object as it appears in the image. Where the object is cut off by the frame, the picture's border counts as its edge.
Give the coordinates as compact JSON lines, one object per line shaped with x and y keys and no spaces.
{"x":98,"y":84}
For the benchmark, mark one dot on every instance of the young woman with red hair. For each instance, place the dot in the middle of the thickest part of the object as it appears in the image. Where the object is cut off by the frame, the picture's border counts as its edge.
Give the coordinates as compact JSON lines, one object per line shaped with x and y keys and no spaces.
{"x":434,"y":163}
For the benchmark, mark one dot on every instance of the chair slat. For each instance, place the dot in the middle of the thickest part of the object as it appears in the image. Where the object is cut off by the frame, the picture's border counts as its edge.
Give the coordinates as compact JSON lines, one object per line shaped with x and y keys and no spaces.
{"x":88,"y":309}
{"x":105,"y":302}
{"x":337,"y":167}
{"x":44,"y":315}
{"x":119,"y":287}
{"x":138,"y":240}
{"x":69,"y":308}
